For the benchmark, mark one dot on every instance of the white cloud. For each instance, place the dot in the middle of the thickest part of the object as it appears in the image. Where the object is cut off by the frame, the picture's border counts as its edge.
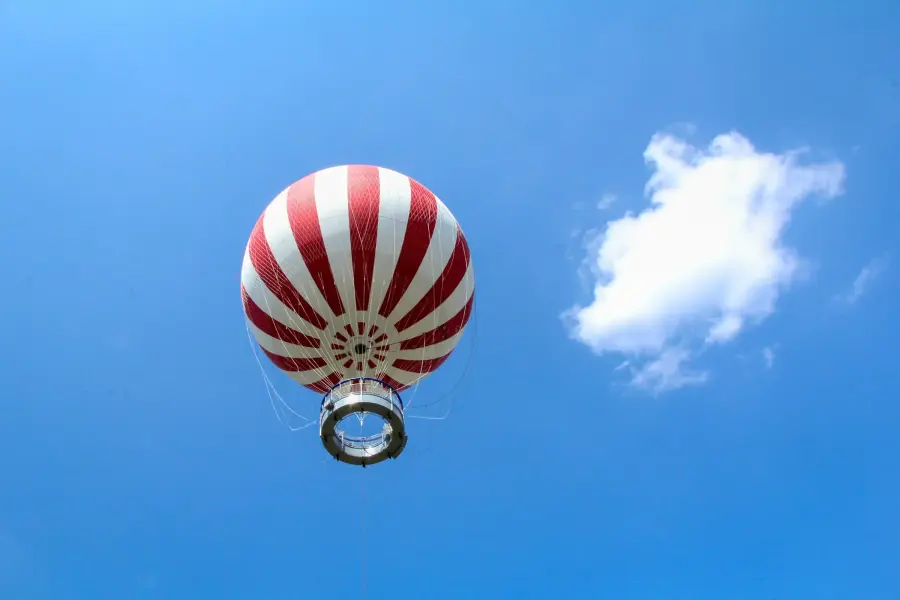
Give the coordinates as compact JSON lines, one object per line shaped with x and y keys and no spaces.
{"x":768,"y":355}
{"x":702,"y":262}
{"x":606,"y":201}
{"x":863,"y":281}
{"x":667,"y":371}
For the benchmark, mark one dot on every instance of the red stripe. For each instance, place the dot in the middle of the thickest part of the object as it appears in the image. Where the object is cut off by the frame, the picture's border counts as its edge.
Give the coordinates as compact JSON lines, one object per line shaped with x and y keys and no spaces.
{"x":271,"y":274}
{"x":340,"y":336}
{"x":442,"y":332}
{"x":304,"y":219}
{"x":323,"y":385}
{"x":271,"y":327}
{"x":398,"y":387}
{"x":419,"y":229}
{"x":420,"y":366}
{"x":364,"y":194}
{"x":286,"y":363}
{"x":445,"y":285}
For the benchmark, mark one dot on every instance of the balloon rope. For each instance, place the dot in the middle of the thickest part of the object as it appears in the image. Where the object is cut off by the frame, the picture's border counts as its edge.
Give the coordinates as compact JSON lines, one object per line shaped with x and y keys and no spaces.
{"x":362,"y":488}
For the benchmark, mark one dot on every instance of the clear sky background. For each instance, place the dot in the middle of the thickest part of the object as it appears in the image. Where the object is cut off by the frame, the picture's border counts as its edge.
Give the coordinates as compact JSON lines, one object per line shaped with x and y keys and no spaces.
{"x":699,"y":401}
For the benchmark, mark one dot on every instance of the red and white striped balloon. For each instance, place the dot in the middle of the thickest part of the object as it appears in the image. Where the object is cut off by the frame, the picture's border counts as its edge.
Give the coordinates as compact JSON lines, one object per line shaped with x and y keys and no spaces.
{"x":357,"y":271}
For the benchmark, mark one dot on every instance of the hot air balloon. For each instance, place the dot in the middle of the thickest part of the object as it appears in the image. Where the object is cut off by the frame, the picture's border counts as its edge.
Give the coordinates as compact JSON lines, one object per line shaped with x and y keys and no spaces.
{"x":357,"y":283}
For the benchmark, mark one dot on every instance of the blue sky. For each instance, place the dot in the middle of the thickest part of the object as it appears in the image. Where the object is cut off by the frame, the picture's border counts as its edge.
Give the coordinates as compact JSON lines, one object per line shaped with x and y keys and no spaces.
{"x":141,"y":140}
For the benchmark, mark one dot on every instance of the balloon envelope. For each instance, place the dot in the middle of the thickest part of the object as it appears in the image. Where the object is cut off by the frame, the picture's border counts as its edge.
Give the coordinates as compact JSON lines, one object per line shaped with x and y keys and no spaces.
{"x":357,"y":271}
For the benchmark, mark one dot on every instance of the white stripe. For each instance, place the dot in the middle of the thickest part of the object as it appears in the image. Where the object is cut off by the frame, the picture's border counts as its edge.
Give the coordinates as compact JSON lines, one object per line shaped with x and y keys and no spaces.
{"x":308,"y":377}
{"x":404,"y":378}
{"x":454,"y":303}
{"x":270,"y":304}
{"x":333,"y":207}
{"x":280,"y":238}
{"x":436,"y":258}
{"x":427,"y":352}
{"x":393,"y":217}
{"x":276,"y":346}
